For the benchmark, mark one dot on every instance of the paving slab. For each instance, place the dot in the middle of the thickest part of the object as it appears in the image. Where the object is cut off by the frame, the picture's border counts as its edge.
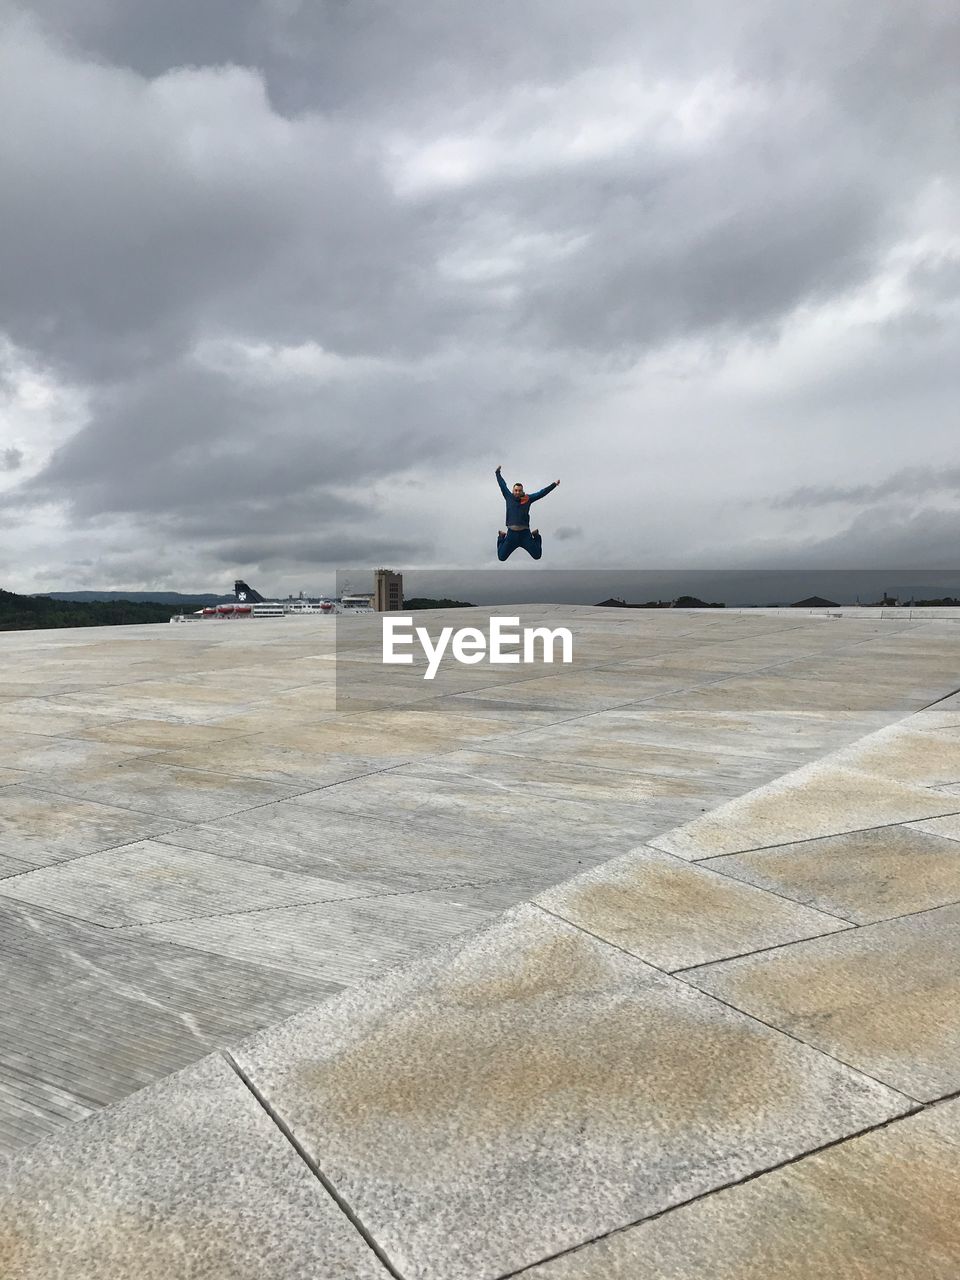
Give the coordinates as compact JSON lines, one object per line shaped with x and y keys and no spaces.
{"x":884,"y":998}
{"x":752,"y":735}
{"x":817,"y":698}
{"x":528,"y":773}
{"x":820,"y":799}
{"x":490,"y":802}
{"x":179,"y":795}
{"x":947,"y":827}
{"x":264,"y":696}
{"x":266,"y":761}
{"x":877,"y":1207}
{"x":147,"y":882}
{"x":534,"y":1087}
{"x":154,"y":734}
{"x":12,"y":866}
{"x":38,"y":828}
{"x":89,"y":1015}
{"x":336,"y":942}
{"x":135,"y":1192}
{"x":927,"y":759}
{"x":36,"y":754}
{"x":624,"y":746}
{"x":397,"y":856}
{"x":863,"y":876}
{"x":674,"y":914}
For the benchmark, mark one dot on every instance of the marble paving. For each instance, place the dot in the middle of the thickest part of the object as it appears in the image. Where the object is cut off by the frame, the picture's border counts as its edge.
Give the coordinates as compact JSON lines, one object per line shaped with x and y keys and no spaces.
{"x":718,"y":1037}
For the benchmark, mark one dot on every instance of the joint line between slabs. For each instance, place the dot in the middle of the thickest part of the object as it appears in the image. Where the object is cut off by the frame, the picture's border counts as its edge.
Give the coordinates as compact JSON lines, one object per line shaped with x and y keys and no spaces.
{"x":679,"y":976}
{"x":712,"y":1191}
{"x":786,"y":844}
{"x":311,"y":1164}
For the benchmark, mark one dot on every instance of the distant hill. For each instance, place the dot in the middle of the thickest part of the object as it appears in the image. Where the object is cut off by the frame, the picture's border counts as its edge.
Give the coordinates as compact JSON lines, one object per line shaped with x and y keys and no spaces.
{"x":159,"y":597}
{"x":29,"y":613}
{"x":425,"y":602}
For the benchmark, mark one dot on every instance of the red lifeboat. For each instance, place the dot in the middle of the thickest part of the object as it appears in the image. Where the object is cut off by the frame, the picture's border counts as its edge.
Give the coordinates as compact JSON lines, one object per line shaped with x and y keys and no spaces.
{"x":210,"y":612}
{"x":225,"y":609}
{"x":243,"y":609}
{"x":326,"y":606}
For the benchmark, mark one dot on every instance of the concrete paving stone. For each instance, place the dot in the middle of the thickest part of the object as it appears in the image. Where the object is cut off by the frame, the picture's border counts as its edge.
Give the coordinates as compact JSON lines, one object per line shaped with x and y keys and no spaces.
{"x":586,"y":743}
{"x":756,"y":735}
{"x":155,"y":734}
{"x":819,"y":698}
{"x":870,"y":663}
{"x":90,"y":1015}
{"x":673,"y":914}
{"x":178,"y":795}
{"x":534,"y":1087}
{"x":697,"y":660}
{"x":148,"y":882}
{"x":35,"y":754}
{"x":926,"y":759}
{"x":36,"y":688}
{"x":38,"y":828}
{"x":31,"y":1109}
{"x":877,"y":1207}
{"x":135,"y":1192}
{"x":257,"y":757}
{"x":948,"y":827}
{"x":337,"y":942}
{"x":884,"y":998}
{"x":529,"y":773}
{"x":12,"y":866}
{"x":390,"y":733}
{"x":43,"y":716}
{"x":146,"y":699}
{"x":509,"y":819}
{"x":863,"y":876}
{"x":344,"y":846}
{"x":821,"y":799}
{"x":499,"y":707}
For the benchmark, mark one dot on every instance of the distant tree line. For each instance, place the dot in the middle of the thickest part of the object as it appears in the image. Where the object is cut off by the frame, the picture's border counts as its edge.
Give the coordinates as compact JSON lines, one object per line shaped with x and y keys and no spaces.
{"x":29,"y":613}
{"x":424,"y":602}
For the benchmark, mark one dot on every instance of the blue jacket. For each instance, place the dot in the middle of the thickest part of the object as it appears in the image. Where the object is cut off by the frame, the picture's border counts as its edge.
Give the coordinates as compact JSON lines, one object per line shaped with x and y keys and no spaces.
{"x":518,"y":510}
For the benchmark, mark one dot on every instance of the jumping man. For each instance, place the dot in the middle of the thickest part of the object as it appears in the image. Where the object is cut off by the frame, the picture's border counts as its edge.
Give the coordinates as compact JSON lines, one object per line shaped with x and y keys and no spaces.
{"x":517,"y":532}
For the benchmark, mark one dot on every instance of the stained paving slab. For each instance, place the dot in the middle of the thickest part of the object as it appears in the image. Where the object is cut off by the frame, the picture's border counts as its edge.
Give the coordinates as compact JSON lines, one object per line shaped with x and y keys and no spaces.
{"x":874,"y":1208}
{"x":885,"y":997}
{"x":675,"y":914}
{"x":147,"y":1200}
{"x":862,"y":876}
{"x":456,"y":1108}
{"x":535,"y":1087}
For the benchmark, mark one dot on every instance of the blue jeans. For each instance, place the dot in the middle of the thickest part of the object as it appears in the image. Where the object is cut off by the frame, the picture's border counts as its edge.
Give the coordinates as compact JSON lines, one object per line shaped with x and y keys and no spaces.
{"x":507,"y":543}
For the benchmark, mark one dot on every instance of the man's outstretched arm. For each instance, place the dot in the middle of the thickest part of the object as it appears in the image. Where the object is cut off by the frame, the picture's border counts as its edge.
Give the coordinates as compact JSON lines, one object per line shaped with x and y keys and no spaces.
{"x":542,"y":493}
{"x":503,"y":484}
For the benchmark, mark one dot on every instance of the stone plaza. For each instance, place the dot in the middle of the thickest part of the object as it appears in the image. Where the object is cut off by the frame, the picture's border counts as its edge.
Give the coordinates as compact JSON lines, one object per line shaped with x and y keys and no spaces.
{"x":645,"y":966}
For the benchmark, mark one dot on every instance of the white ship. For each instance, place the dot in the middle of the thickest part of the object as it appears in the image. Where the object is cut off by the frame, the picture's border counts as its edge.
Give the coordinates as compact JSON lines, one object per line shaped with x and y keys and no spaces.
{"x":249,"y":603}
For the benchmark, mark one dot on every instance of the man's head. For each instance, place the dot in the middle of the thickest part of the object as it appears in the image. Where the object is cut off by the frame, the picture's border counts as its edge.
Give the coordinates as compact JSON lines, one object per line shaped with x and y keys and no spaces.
{"x":518,"y":490}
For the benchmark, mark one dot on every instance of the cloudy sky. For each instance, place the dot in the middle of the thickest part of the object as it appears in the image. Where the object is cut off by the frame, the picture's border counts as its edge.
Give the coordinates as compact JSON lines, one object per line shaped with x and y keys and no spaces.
{"x":282,"y":281}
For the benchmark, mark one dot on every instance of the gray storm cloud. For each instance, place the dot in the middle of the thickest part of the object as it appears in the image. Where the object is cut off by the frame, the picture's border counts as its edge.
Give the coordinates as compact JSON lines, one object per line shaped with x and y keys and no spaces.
{"x":307,"y":273}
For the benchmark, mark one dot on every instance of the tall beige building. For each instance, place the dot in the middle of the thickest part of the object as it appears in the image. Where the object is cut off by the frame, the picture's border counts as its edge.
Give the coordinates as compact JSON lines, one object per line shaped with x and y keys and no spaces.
{"x":388,"y":591}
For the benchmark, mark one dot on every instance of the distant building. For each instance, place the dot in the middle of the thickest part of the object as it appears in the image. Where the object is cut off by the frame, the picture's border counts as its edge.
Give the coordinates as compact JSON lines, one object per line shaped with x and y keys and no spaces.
{"x":815,"y":602}
{"x":388,"y":591}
